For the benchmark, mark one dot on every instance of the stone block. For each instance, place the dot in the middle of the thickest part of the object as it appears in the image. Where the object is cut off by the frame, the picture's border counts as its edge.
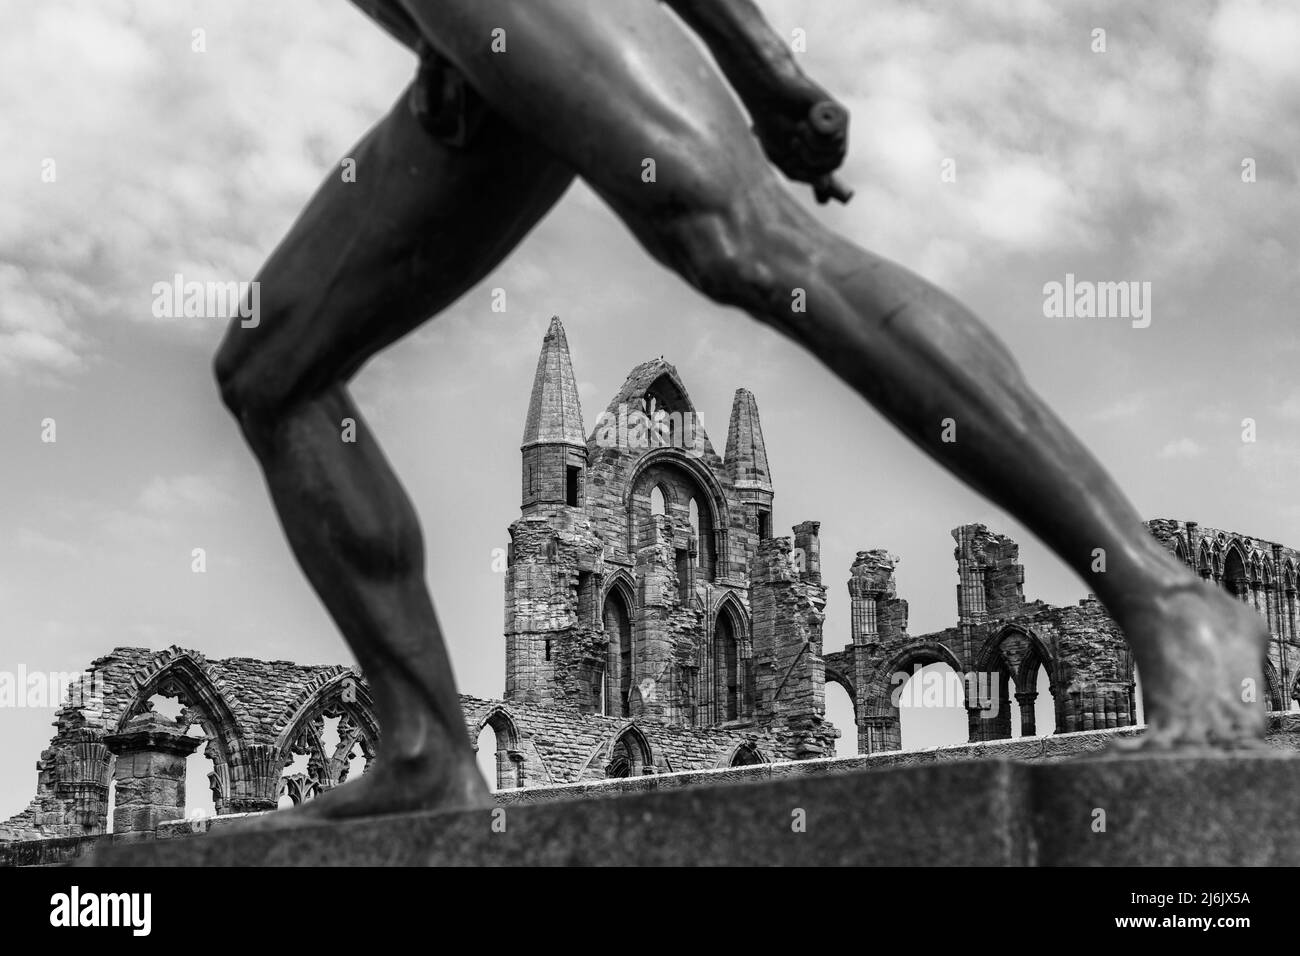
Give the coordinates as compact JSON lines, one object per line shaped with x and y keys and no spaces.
{"x":1206,"y":809}
{"x":868,"y":819}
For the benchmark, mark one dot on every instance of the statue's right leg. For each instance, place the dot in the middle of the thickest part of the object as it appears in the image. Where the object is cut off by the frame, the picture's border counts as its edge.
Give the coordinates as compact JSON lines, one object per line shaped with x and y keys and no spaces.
{"x":366,"y":262}
{"x":614,"y":86}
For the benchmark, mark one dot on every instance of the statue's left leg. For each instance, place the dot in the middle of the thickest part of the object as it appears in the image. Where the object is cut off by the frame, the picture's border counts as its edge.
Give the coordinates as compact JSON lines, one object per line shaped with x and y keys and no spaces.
{"x":370,"y":259}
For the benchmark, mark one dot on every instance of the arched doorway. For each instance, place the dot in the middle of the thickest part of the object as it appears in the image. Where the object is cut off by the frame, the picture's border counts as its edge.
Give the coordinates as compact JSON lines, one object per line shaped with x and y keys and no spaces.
{"x":498,"y":751}
{"x":932,"y":708}
{"x":617,"y":615}
{"x":630,"y":755}
{"x":841,"y":712}
{"x":726,"y":668}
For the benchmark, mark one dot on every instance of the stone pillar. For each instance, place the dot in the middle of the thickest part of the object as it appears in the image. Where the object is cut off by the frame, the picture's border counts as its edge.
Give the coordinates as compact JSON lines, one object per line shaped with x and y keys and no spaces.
{"x":255,"y":778}
{"x":982,"y":724}
{"x":652,"y":644}
{"x":971,"y":610}
{"x":871,"y":580}
{"x":1193,"y":544}
{"x":881,"y":732}
{"x":1028,"y":724}
{"x":150,"y":772}
{"x":1280,"y":629}
{"x":83,"y":768}
{"x":1098,"y":706}
{"x":807,"y":542}
{"x":790,"y":676}
{"x":721,"y":555}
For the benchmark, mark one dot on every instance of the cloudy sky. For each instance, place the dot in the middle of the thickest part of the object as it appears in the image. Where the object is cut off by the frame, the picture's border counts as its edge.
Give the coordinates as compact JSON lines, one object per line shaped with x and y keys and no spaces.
{"x":1116,"y":165}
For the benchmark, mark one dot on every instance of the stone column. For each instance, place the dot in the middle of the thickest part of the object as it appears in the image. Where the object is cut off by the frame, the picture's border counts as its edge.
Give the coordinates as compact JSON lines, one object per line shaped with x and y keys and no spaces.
{"x":881,"y":732}
{"x":807,"y":541}
{"x":83,"y":782}
{"x":255,"y":778}
{"x":652,"y":644}
{"x":150,"y":772}
{"x":871,"y":580}
{"x":1028,"y":726}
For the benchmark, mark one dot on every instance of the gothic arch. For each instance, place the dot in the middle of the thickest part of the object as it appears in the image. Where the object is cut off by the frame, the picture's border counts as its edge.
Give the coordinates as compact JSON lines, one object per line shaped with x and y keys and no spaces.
{"x":730,"y":603}
{"x":630,"y":754}
{"x":620,"y":631}
{"x":1205,"y":560}
{"x":342,"y":694}
{"x":991,"y":650}
{"x":835,"y":677}
{"x":509,"y":759}
{"x":724,"y":663}
{"x":878,"y":718}
{"x":1236,"y":569}
{"x":503,"y":724}
{"x":1273,"y":687}
{"x":711,"y":496}
{"x":744,"y":754}
{"x":923,"y":652}
{"x":184,"y":674}
{"x":623,"y":581}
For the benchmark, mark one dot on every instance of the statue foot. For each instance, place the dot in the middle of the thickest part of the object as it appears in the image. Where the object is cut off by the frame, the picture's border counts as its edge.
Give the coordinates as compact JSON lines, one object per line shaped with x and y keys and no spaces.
{"x":1201,"y":653}
{"x":406,"y":786}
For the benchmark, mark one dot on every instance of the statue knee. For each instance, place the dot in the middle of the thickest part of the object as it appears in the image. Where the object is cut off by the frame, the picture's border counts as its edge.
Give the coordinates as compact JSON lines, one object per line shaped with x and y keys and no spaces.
{"x":247,"y":389}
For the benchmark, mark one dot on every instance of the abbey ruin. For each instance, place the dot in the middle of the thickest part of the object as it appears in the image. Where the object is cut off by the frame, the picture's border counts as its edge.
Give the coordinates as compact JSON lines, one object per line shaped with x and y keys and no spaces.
{"x":654,"y":622}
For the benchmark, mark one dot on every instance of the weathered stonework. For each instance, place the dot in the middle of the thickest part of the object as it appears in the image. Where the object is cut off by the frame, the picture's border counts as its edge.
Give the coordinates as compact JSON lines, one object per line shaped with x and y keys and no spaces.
{"x":644,"y":581}
{"x":1001,"y":639}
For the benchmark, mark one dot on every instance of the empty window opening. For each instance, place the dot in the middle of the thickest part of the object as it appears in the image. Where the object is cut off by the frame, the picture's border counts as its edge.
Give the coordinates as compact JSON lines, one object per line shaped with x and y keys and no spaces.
{"x":571,"y":486}
{"x":657,"y":505}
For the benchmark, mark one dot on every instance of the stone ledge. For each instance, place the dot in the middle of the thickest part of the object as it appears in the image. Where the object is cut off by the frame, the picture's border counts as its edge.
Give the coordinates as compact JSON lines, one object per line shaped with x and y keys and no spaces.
{"x":1187,"y":809}
{"x":851,"y":819}
{"x":1169,"y":810}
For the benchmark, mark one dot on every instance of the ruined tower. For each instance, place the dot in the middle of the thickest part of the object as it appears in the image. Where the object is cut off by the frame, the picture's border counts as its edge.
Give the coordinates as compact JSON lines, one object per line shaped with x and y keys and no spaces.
{"x":636,"y":565}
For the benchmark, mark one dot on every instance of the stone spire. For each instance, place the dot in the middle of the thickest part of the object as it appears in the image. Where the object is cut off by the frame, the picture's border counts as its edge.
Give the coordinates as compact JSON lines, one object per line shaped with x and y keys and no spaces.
{"x":746,"y":460}
{"x":554,"y":413}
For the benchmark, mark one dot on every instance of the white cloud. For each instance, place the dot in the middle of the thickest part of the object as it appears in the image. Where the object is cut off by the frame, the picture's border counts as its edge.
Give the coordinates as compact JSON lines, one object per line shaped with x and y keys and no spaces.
{"x":1289,"y":407}
{"x":168,"y":495}
{"x":1182,"y":448}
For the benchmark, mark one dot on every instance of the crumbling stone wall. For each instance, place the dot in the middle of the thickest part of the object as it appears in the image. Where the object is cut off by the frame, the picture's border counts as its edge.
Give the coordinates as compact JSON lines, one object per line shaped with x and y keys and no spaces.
{"x":696,"y":653}
{"x":255,"y":716}
{"x":1001,"y":640}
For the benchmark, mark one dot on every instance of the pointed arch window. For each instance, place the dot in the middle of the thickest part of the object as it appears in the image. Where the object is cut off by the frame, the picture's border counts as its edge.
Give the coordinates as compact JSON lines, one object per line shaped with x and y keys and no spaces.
{"x":658,"y":503}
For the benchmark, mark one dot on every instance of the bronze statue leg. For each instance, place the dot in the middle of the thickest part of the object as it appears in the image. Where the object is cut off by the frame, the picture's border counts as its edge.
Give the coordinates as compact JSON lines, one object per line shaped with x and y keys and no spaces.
{"x":365,"y":263}
{"x":609,"y":86}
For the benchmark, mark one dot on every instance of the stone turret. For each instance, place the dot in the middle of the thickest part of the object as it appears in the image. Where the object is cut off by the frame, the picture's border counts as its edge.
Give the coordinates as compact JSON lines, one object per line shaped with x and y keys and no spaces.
{"x":554,"y":447}
{"x":746,"y":463}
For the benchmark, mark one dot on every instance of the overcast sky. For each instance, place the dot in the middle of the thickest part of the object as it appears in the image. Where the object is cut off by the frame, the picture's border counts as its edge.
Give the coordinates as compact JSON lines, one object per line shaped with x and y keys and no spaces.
{"x":1122,"y":165}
